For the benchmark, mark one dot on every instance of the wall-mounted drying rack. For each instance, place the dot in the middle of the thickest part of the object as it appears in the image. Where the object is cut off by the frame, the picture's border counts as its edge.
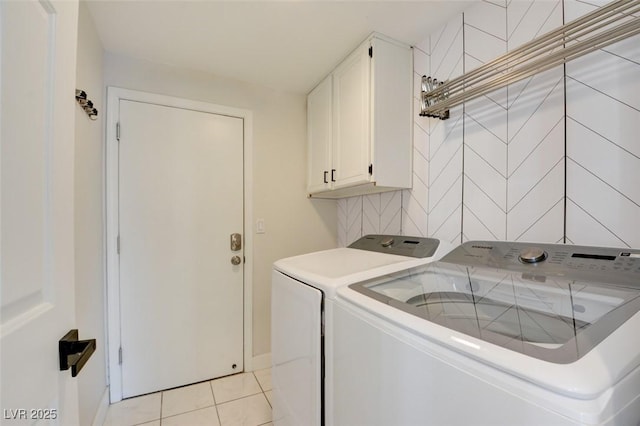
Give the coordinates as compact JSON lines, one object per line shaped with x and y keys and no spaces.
{"x":86,"y":104}
{"x":604,"y":26}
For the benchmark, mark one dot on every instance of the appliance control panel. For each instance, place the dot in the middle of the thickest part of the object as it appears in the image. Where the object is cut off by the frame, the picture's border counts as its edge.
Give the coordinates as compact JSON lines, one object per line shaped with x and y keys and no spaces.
{"x":400,"y":245}
{"x":537,"y":260}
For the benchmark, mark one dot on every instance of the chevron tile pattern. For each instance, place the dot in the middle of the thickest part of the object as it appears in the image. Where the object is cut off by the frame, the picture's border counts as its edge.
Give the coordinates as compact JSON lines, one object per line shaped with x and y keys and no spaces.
{"x":485,"y":132}
{"x":513,"y":138}
{"x":369,"y":214}
{"x":552,"y":158}
{"x":444,"y":176}
{"x":535,"y":134}
{"x":349,"y":220}
{"x":381,"y":213}
{"x":415,"y":202}
{"x":603,"y":154}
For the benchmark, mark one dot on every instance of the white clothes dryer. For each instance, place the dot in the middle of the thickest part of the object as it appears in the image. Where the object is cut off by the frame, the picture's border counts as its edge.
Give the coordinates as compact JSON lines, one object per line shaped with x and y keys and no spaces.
{"x":302,"y":292}
{"x":495,"y":333}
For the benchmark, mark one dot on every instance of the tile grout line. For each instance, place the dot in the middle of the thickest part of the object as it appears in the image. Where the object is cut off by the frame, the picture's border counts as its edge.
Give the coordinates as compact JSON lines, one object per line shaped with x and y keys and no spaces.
{"x":215,"y":403}
{"x":161,"y":402}
{"x":264,"y":393}
{"x":239,"y":398}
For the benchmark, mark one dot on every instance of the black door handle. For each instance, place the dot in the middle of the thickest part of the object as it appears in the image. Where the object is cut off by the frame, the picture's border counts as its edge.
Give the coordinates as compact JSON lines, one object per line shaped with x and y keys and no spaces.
{"x":325,"y":176}
{"x":74,"y":353}
{"x":333,"y":171}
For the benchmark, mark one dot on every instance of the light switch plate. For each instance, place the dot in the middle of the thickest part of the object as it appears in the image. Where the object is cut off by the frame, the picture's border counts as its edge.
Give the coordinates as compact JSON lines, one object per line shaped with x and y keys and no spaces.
{"x":260,"y":226}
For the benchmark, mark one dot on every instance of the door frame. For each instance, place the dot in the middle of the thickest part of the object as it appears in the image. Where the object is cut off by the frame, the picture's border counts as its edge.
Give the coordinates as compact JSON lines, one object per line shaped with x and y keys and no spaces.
{"x":114,"y":96}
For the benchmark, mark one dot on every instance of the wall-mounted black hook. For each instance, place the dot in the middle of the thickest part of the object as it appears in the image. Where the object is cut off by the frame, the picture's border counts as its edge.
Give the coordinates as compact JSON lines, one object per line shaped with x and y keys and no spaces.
{"x":74,"y":353}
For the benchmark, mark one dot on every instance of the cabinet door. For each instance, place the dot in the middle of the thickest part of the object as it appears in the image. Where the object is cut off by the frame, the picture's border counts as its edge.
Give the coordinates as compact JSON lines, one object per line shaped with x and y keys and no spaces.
{"x":392,"y":114}
{"x":351,"y":119}
{"x":319,"y":137}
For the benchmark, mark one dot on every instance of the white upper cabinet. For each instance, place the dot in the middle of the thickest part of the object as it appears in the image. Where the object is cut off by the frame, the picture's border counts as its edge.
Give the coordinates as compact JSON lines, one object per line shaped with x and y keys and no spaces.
{"x":351,"y":94}
{"x":319,"y":137}
{"x":360,"y":123}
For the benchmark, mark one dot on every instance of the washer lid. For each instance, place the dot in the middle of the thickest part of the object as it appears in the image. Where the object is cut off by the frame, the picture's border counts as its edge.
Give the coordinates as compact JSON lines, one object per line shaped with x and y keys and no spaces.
{"x":567,"y":320}
{"x":550,"y":318}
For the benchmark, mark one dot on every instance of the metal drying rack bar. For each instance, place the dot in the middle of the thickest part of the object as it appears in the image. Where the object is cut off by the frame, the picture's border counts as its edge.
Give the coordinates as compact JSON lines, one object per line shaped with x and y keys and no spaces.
{"x":604,"y":26}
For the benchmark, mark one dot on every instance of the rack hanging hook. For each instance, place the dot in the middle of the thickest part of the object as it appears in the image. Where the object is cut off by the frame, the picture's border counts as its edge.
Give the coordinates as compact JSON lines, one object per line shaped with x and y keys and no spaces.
{"x":86,"y":104}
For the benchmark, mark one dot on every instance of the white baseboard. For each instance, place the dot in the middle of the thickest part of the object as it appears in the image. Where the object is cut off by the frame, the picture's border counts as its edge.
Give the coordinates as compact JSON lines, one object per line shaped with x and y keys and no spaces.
{"x":101,"y":413}
{"x":260,"y":362}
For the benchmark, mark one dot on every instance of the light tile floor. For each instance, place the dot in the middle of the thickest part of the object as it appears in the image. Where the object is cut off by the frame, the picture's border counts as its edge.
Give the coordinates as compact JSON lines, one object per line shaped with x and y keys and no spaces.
{"x":242,"y":399}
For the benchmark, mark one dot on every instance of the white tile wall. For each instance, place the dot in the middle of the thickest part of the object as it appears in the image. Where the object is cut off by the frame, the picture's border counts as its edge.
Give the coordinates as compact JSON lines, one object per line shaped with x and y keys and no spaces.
{"x":381,"y":213}
{"x":485,"y":131}
{"x":415,"y":202}
{"x":445,"y":139}
{"x":603,"y":154}
{"x":349,"y":220}
{"x":553,"y":158}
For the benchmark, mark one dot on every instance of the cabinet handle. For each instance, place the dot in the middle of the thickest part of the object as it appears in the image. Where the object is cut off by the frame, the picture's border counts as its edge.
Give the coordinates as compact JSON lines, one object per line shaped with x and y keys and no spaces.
{"x":325,"y":176}
{"x":333,"y":171}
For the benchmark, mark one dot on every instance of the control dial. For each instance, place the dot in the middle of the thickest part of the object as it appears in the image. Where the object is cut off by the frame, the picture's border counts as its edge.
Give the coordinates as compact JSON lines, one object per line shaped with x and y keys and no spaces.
{"x":387,"y":242}
{"x":532,"y":255}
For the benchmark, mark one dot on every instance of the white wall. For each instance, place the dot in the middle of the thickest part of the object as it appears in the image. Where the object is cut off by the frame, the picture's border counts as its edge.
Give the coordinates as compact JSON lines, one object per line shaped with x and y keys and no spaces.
{"x":89,"y":253}
{"x":294,"y":223}
{"x":552,"y":158}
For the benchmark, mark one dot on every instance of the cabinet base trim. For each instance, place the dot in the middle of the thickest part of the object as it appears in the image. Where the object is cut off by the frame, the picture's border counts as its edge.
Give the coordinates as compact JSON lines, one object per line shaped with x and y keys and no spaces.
{"x":368,"y":188}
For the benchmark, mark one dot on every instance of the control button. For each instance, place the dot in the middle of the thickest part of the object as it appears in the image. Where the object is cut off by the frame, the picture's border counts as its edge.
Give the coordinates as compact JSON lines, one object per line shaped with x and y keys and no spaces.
{"x":532,"y":255}
{"x":387,"y":242}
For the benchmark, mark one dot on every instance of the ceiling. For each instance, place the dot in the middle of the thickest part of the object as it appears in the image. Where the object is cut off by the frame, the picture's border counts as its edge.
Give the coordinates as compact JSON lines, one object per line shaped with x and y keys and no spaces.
{"x":284,"y":45}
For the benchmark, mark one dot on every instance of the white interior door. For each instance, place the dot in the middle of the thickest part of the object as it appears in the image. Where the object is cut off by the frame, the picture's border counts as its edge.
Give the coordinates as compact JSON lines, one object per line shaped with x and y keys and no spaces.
{"x":38,"y":47}
{"x":180,"y":199}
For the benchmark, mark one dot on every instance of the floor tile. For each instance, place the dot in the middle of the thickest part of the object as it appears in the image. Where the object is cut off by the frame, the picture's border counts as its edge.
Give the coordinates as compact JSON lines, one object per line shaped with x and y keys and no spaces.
{"x":203,"y":417}
{"x":249,"y":411}
{"x":134,"y":411}
{"x":269,"y":395}
{"x":188,"y":398}
{"x":264,"y":378}
{"x":153,"y":423}
{"x":234,"y":387}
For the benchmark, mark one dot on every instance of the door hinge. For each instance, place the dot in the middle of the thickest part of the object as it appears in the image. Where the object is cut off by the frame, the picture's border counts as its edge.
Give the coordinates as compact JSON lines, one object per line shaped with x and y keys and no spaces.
{"x":371,"y":51}
{"x":118,"y":131}
{"x":370,"y":169}
{"x":120,"y":355}
{"x":118,"y":244}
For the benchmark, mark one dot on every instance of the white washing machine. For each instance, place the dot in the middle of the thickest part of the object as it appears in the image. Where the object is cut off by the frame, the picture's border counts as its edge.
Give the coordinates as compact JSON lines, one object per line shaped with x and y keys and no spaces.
{"x":302,"y":293}
{"x":495,"y":333}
